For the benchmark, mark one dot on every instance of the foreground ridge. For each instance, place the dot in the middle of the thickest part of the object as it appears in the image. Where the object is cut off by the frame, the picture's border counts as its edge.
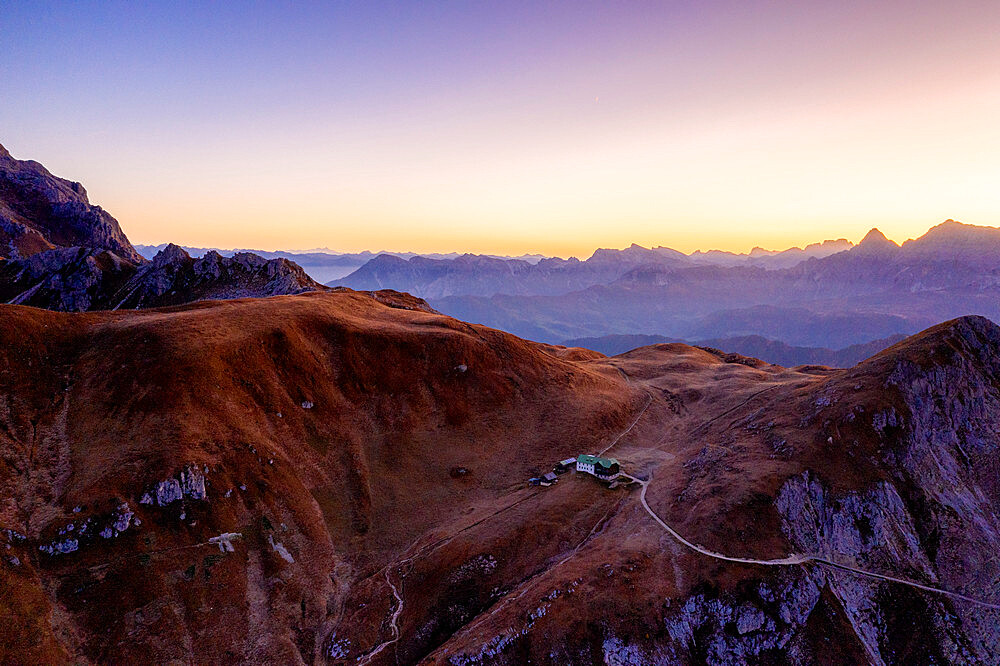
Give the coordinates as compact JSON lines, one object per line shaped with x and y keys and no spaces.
{"x":344,"y":476}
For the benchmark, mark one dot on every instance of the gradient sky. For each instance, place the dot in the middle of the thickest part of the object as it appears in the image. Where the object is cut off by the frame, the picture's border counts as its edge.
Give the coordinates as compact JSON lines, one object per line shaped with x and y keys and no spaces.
{"x":511,"y":127}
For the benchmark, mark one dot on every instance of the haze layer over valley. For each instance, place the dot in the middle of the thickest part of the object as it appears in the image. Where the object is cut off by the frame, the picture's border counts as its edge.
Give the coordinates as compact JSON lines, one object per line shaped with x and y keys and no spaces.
{"x":833,"y":295}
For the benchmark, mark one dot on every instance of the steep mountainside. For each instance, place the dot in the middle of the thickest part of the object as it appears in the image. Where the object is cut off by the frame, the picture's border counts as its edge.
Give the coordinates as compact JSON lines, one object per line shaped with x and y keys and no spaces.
{"x":337,"y":478}
{"x":39,"y":211}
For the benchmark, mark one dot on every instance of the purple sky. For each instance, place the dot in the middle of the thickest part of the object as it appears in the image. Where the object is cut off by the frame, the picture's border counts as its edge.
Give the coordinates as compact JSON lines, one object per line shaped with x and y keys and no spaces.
{"x":511,"y":127}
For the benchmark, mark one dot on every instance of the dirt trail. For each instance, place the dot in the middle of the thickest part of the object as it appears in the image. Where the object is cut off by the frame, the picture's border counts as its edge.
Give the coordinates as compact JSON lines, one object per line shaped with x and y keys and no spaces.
{"x":393,"y":622}
{"x":401,"y":567}
{"x":649,"y":401}
{"x":794,"y":559}
{"x":786,"y":561}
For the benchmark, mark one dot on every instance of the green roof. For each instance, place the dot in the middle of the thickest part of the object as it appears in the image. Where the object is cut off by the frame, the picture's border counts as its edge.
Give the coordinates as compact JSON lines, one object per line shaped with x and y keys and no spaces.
{"x":596,"y":461}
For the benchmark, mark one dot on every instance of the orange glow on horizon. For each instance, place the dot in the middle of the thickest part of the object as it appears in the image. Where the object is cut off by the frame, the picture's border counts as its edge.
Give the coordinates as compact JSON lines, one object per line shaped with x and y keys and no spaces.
{"x":718,"y":125}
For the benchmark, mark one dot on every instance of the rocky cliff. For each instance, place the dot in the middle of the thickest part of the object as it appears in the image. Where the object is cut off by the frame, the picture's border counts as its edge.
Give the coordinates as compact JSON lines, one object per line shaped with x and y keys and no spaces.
{"x":59,"y":252}
{"x":39,"y":211}
{"x":77,"y":279}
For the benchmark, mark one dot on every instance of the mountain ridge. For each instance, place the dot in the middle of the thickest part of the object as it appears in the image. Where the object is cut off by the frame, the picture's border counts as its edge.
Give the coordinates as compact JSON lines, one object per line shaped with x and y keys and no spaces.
{"x":58,"y":251}
{"x":870,"y":291}
{"x":752,"y":346}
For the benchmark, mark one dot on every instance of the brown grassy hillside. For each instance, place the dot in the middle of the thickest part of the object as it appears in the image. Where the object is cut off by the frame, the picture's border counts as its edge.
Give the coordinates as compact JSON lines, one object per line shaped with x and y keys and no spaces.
{"x":372,"y":457}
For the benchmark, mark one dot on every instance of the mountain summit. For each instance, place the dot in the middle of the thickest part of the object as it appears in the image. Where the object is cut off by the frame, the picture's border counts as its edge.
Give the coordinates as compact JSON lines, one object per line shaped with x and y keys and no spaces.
{"x":875,"y":242}
{"x":39,"y":211}
{"x":955,"y":241}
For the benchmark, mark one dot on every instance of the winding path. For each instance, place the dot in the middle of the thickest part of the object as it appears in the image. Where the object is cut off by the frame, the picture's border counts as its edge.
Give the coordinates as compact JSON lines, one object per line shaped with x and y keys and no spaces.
{"x":793,"y":559}
{"x":393,"y":622}
{"x":525,"y":584}
{"x":397,"y":593}
{"x":649,"y":401}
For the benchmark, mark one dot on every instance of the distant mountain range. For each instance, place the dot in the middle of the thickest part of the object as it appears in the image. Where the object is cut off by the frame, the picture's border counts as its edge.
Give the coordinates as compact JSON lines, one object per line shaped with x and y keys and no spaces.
{"x":323,"y":265}
{"x":483,"y":275}
{"x":830,"y":295}
{"x":447,"y":273}
{"x":59,"y":251}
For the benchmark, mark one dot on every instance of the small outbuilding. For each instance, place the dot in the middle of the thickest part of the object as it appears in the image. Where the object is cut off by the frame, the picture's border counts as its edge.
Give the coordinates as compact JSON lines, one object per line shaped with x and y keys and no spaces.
{"x":564,"y":466}
{"x":545,"y":480}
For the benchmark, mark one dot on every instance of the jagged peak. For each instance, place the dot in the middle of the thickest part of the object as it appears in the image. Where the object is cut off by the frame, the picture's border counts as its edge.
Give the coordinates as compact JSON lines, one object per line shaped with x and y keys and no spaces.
{"x":170,"y":254}
{"x":874,"y":241}
{"x":874,"y":236}
{"x":831,"y":242}
{"x":3,"y":151}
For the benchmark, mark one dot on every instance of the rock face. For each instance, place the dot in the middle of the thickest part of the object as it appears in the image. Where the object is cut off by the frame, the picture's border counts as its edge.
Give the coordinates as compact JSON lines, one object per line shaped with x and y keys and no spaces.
{"x":76,"y":279}
{"x":60,"y":253}
{"x":165,"y":493}
{"x":39,"y":211}
{"x":65,"y":278}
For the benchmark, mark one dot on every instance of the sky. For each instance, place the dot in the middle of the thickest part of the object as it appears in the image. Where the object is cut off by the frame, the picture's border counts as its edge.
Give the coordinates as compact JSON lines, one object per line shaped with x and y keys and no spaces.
{"x":511,"y":127}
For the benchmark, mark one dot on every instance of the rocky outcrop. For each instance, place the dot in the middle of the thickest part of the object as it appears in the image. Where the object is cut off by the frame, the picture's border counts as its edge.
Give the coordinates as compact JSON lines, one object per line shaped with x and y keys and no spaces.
{"x":189,"y":483}
{"x":732,"y":630}
{"x":66,"y":279}
{"x":77,"y":279}
{"x":872,"y":531}
{"x":174,"y":277}
{"x":39,"y":211}
{"x":932,"y":518}
{"x":59,"y":252}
